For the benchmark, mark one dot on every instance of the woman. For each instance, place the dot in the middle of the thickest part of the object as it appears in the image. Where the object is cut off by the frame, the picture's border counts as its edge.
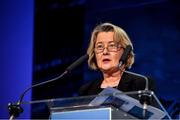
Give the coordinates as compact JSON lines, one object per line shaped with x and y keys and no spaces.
{"x":106,"y":47}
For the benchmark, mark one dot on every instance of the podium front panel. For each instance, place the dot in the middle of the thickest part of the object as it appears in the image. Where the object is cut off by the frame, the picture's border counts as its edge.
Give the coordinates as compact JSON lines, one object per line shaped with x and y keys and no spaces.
{"x":99,"y":113}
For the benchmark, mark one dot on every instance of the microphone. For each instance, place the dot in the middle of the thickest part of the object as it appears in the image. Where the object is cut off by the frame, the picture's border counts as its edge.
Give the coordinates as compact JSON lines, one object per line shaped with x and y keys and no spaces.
{"x":125,"y":55}
{"x":144,"y":96}
{"x":16,"y":109}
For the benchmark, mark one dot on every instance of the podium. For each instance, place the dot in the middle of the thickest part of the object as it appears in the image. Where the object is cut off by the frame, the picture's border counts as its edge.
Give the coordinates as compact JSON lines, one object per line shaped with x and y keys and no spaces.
{"x":109,"y":104}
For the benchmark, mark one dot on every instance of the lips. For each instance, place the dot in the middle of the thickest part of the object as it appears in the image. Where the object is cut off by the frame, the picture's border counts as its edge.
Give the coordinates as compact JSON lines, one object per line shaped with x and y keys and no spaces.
{"x":105,"y":60}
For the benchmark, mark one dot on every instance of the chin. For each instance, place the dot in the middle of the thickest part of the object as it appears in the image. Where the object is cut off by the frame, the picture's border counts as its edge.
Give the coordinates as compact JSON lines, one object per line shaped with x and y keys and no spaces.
{"x":106,"y":69}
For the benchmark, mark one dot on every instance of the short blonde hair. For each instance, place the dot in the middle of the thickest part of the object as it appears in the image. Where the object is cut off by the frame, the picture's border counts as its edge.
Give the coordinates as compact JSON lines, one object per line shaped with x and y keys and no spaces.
{"x":120,"y":36}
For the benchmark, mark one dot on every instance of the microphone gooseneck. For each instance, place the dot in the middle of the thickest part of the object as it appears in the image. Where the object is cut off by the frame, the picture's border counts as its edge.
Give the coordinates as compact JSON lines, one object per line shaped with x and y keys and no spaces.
{"x":142,"y":76}
{"x":145,"y":95}
{"x":16,"y":109}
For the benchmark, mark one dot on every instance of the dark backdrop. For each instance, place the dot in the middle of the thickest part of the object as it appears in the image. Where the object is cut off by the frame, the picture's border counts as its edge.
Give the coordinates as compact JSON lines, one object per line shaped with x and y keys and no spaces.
{"x":62,"y":33}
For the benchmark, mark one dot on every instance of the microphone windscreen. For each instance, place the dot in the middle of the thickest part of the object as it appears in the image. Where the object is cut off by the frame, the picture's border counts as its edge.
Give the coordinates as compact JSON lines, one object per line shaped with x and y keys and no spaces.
{"x":125,"y":55}
{"x":77,"y":63}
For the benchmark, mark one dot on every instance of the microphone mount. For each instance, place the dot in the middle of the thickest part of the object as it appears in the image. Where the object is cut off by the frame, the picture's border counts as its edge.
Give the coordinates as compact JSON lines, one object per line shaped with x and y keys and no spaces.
{"x":145,"y":96}
{"x":16,"y":109}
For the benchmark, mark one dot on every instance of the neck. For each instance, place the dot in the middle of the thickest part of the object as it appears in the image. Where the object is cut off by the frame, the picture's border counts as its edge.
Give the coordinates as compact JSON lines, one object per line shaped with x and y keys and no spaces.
{"x":111,"y":79}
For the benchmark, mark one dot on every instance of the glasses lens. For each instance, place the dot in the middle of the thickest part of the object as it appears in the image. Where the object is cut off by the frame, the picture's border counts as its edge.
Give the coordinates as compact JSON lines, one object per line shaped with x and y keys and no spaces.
{"x":99,"y":48}
{"x":112,"y":47}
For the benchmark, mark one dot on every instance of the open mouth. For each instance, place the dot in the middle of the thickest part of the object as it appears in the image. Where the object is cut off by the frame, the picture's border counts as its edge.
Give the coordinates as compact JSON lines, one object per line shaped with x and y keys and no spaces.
{"x":106,"y":60}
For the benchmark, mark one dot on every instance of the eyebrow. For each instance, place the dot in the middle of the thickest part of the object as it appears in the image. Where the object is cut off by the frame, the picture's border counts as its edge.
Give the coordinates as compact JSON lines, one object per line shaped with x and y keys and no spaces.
{"x":108,"y":42}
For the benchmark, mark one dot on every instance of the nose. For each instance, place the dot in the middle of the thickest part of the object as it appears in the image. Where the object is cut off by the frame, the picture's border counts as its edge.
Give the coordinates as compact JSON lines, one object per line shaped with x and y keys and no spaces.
{"x":105,"y":51}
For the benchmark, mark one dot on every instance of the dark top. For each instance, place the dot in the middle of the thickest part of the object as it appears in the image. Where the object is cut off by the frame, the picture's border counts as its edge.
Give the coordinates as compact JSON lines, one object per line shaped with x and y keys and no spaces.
{"x":127,"y":83}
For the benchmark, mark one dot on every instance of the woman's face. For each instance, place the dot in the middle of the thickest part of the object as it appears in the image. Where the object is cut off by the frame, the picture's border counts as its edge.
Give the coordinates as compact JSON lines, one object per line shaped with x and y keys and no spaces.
{"x":107,"y":52}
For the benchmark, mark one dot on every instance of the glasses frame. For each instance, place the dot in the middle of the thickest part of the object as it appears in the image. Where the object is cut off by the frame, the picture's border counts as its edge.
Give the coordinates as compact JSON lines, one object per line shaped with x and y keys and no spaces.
{"x":109,"y":47}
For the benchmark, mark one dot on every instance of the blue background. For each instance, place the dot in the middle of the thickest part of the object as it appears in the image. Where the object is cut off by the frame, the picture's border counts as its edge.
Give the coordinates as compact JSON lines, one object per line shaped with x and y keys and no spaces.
{"x":16,"y":48}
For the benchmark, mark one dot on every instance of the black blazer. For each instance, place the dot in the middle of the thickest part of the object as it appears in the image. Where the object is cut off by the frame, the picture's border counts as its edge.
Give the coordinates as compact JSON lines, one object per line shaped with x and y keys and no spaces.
{"x":128,"y":83}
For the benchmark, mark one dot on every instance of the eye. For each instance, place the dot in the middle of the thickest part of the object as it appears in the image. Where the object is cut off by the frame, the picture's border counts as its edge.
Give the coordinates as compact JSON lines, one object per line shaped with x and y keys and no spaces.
{"x":100,"y":46}
{"x":112,"y":45}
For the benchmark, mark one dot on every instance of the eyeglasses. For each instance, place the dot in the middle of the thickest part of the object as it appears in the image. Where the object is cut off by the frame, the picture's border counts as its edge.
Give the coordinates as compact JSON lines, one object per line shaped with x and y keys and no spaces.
{"x":111,"y":47}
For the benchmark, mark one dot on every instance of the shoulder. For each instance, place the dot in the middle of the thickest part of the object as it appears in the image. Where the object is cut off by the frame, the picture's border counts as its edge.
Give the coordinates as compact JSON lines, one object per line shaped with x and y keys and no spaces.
{"x":139,"y":82}
{"x":90,"y":88}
